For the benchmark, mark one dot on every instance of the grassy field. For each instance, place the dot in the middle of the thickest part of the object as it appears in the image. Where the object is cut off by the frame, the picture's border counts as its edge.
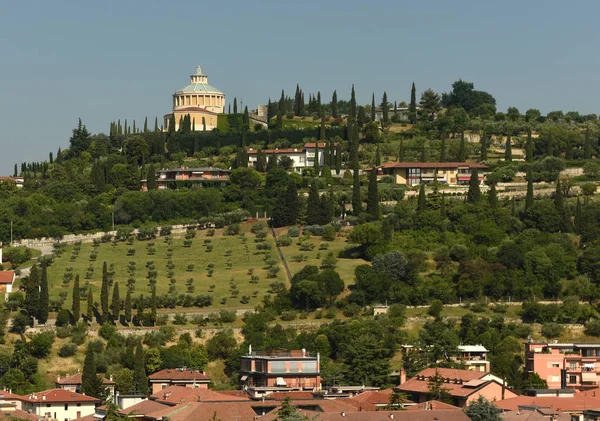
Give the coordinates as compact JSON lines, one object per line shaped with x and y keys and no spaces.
{"x":231,"y":256}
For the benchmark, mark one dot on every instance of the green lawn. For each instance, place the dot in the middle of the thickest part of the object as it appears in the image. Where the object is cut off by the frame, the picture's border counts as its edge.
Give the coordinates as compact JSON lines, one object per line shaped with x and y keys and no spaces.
{"x":226,"y":249}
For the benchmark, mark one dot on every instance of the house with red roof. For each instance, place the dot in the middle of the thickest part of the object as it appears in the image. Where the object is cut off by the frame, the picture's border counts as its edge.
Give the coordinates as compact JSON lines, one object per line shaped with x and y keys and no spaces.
{"x":462,"y":386}
{"x":300,"y":157}
{"x":59,"y":404}
{"x":7,"y":280}
{"x":178,"y":377}
{"x":72,"y":383}
{"x":416,"y":173}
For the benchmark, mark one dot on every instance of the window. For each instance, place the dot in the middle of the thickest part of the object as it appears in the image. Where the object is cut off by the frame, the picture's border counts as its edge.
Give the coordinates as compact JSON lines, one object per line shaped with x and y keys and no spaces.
{"x":66,"y":407}
{"x":572,"y":365}
{"x":555,"y":365}
{"x":47,"y":405}
{"x":572,"y":379}
{"x":278,"y":367}
{"x":309,"y":367}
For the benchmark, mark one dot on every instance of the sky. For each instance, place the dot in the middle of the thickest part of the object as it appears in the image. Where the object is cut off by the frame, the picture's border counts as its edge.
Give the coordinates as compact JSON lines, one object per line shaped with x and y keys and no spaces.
{"x":100,"y":61}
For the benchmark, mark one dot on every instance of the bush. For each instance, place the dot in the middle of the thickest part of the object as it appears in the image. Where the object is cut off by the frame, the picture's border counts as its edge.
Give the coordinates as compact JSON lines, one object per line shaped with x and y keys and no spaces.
{"x":107,"y":331}
{"x":288,"y":315}
{"x":329,"y":233}
{"x":180,"y":319}
{"x":352,"y":310}
{"x":226,"y":316}
{"x":592,"y":328}
{"x":284,"y":240}
{"x":294,"y":231}
{"x":552,"y":330}
{"x":435,"y":308}
{"x":63,"y":318}
{"x":40,"y":344}
{"x":233,"y":229}
{"x":67,"y":350}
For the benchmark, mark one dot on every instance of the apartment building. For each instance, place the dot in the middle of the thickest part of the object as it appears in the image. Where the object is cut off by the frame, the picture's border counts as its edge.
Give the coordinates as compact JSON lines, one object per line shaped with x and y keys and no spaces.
{"x":300,"y":157}
{"x":189,"y":178}
{"x":416,"y":173}
{"x":474,"y":357}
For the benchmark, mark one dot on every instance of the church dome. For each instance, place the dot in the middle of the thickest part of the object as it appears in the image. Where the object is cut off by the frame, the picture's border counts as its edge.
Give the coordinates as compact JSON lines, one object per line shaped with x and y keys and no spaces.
{"x":199,"y":84}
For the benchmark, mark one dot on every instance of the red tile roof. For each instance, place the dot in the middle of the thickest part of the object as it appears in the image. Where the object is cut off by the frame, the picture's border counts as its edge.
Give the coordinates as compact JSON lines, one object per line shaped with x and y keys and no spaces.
{"x":312,"y":145}
{"x":374,"y":397}
{"x":181,"y":394}
{"x":430,"y":165}
{"x":527,"y":415}
{"x":7,"y":276}
{"x":18,"y":413}
{"x":145,"y":408}
{"x":58,"y":396}
{"x":456,"y":384}
{"x":179,"y":375}
{"x":433,"y":405}
{"x":279,"y":396}
{"x":434,"y":415}
{"x":276,"y":151}
{"x":238,"y":411}
{"x":577,"y":403}
{"x":76,"y":380}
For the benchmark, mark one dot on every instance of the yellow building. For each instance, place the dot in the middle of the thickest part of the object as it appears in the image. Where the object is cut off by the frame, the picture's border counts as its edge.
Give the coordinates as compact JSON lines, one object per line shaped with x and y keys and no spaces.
{"x":416,"y":173}
{"x":199,"y":100}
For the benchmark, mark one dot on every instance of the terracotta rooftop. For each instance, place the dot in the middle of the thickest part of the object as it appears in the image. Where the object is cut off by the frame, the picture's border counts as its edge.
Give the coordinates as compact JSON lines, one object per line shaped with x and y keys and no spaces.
{"x":578,"y":403}
{"x":279,"y":396}
{"x":193,"y":411}
{"x":76,"y":379}
{"x":59,"y":396}
{"x":526,"y":415}
{"x":276,"y":151}
{"x":433,"y":405}
{"x":460,"y":383}
{"x":374,"y":397}
{"x":179,"y":375}
{"x":181,"y":394}
{"x":18,"y":413}
{"x":312,"y":145}
{"x":434,"y":415}
{"x":7,"y":276}
{"x":432,"y":165}
{"x":145,"y":408}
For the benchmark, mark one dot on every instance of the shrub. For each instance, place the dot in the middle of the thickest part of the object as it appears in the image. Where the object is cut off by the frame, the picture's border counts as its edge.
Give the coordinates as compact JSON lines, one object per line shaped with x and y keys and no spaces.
{"x":329,"y":233}
{"x":294,"y":231}
{"x":67,"y":350}
{"x":233,"y":229}
{"x":435,"y":308}
{"x":107,"y":331}
{"x":288,"y":315}
{"x":352,"y":310}
{"x":284,"y":241}
{"x":323,"y":246}
{"x":257,"y":227}
{"x":552,"y":330}
{"x":306,"y":246}
{"x":226,"y":316}
{"x":63,"y":318}
{"x":180,"y":319}
{"x":592,"y":328}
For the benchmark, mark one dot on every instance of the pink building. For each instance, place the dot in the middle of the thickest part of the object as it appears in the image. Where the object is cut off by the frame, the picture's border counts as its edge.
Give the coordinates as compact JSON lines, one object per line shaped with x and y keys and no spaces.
{"x":178,"y":377}
{"x":565,"y":365}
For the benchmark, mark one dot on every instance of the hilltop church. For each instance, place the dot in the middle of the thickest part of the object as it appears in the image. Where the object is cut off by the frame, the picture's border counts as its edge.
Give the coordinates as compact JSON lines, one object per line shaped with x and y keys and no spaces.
{"x":199,"y":100}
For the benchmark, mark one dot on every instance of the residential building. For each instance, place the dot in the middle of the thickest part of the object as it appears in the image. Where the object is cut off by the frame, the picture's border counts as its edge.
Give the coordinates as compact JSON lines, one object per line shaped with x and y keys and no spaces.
{"x":565,"y":365}
{"x":72,"y":383}
{"x":301,"y":157}
{"x":198,"y":99}
{"x":179,"y":377}
{"x":463,"y":386}
{"x":7,"y":280}
{"x":474,"y":357}
{"x":19,"y":181}
{"x":401,"y":113}
{"x":178,"y":178}
{"x":416,"y":173}
{"x":574,"y":405}
{"x":179,"y":394}
{"x":265,"y":372}
{"x":60,"y":404}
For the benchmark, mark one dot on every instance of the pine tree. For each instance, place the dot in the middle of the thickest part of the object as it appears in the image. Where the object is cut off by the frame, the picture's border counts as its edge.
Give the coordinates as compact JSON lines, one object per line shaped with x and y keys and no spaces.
{"x":529,"y":147}
{"x":153,"y":305}
{"x":322,"y":134}
{"x":156,"y":129}
{"x":127,"y":309}
{"x":171,"y":128}
{"x":484,"y":145}
{"x":104,"y":293}
{"x":529,"y":197}
{"x":282,"y":109}
{"x":462,"y":152}
{"x":443,"y":149}
{"x":91,"y":382}
{"x":373,"y":196}
{"x":474,"y":193}
{"x":116,"y":303}
{"x":76,"y":304}
{"x":235,"y":105}
{"x":373,"y":107}
{"x":578,"y":221}
{"x":139,"y":371}
{"x":385,"y":109}
{"x":422,"y":200}
{"x":313,"y":211}
{"x":508,"y":150}
{"x":493,"y":196}
{"x":134,"y":130}
{"x":316,"y":163}
{"x":31,"y":285}
{"x":146,"y":125}
{"x":412,"y":107}
{"x":44,"y":307}
{"x":334,"y":105}
{"x":90,"y":305}
{"x":292,"y":203}
{"x":338,"y":158}
{"x":15,"y":173}
{"x":377,"y":156}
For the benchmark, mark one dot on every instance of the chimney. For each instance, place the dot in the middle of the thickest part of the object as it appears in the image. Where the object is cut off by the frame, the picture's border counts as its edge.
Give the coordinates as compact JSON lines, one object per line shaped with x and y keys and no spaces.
{"x":431,"y":406}
{"x":391,"y":416}
{"x":44,"y":397}
{"x":343,"y":414}
{"x":58,"y":378}
{"x":402,"y":376}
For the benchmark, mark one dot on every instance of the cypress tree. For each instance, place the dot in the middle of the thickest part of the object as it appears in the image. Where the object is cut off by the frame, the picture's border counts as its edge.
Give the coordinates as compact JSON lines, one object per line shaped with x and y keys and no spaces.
{"x":423,"y":153}
{"x":422,"y":200}
{"x":116,"y":302}
{"x":550,"y":145}
{"x":194,"y":124}
{"x":412,"y":107}
{"x":127,"y":307}
{"x":338,"y":158}
{"x":373,"y":107}
{"x":561,"y":208}
{"x":146,"y":125}
{"x":134,"y":130}
{"x":229,"y":109}
{"x":15,"y":171}
{"x":171,"y":126}
{"x":313,"y":208}
{"x":443,"y":149}
{"x":401,"y":151}
{"x":76,"y":306}
{"x":373,"y":196}
{"x":297,"y":100}
{"x":91,"y":382}
{"x":385,"y":109}
{"x":282,"y":104}
{"x":462,"y":152}
{"x":352,"y":105}
{"x":104,"y":293}
{"x":272,"y":162}
{"x":529,"y":147}
{"x":246,"y":119}
{"x":474,"y":193}
{"x":443,"y":207}
{"x":377,"y":156}
{"x":513,"y":206}
{"x":529,"y":197}
{"x":90,"y":305}
{"x":508,"y":150}
{"x":44,"y":307}
{"x":334,"y":105}
{"x":569,"y":150}
{"x":139,"y":371}
{"x":235,"y":105}
{"x":587,"y":146}
{"x":153,"y":305}
{"x":484,"y":146}
{"x":322,"y":134}
{"x":203,"y":124}
{"x":493,"y":196}
{"x":32,"y":291}
{"x":151,"y":178}
{"x":125,"y":127}
{"x":578,"y":221}
{"x":261,"y":161}
{"x":316,"y":161}
{"x":156,"y":125}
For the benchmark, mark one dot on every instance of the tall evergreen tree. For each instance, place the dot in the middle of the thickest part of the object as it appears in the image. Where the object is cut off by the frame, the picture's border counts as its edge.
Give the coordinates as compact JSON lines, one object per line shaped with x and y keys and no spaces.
{"x":377,"y":156}
{"x":316,"y":163}
{"x":15,"y":173}
{"x":171,"y":127}
{"x":561,"y":208}
{"x":31,"y":286}
{"x":578,"y":217}
{"x":423,"y":152}
{"x":146,"y":125}
{"x":76,"y":303}
{"x":422,"y":199}
{"x":139,"y":371}
{"x":203,"y":124}
{"x":151,"y":178}
{"x":484,"y":145}
{"x":334,"y":105}
{"x":116,"y":303}
{"x":322,"y":134}
{"x":44,"y":307}
{"x":529,"y":149}
{"x":373,"y":196}
{"x":462,"y":151}
{"x":587,"y":146}
{"x":134,"y":129}
{"x":474,"y":193}
{"x":235,"y":110}
{"x":373,"y":109}
{"x":127,"y":307}
{"x":156,"y":129}
{"x":401,"y":151}
{"x":313,"y":211}
{"x":282,"y":107}
{"x":529,"y":197}
{"x":272,"y":162}
{"x":292,"y":203}
{"x":104,"y":293}
{"x":338,"y":158}
{"x":385,"y":109}
{"x":508,"y":149}
{"x":550,"y":145}
{"x":513,"y":206}
{"x":412,"y":107}
{"x":443,"y":149}
{"x":443,"y":207}
{"x":246,"y":119}
{"x":153,"y":305}
{"x":91,"y":382}
{"x":492,"y":196}
{"x":90,"y":305}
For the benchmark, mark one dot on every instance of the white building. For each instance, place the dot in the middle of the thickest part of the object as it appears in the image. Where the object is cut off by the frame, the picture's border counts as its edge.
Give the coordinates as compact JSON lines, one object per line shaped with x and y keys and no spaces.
{"x":301,"y":158}
{"x":60,"y":404}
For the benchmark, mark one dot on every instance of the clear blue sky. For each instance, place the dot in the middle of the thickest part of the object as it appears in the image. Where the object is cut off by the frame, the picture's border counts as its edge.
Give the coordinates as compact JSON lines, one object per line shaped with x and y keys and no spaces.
{"x":105,"y":60}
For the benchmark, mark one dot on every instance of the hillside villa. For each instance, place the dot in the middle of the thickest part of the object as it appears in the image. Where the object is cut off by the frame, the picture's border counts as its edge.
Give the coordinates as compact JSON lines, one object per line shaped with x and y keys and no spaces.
{"x":416,"y":173}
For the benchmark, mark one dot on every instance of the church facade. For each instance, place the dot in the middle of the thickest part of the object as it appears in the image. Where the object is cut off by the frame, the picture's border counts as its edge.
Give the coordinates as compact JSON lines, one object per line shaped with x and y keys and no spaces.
{"x":200,"y":100}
